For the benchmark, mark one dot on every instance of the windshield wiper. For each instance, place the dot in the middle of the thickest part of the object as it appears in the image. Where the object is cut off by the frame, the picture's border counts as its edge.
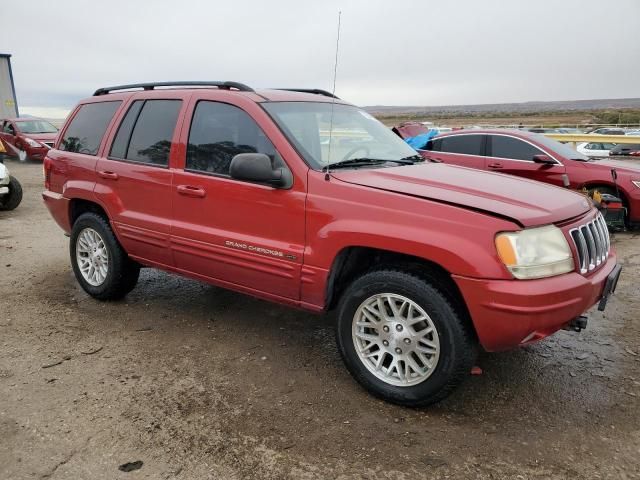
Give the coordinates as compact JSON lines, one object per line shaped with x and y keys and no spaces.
{"x":416,"y":158}
{"x":364,"y":161}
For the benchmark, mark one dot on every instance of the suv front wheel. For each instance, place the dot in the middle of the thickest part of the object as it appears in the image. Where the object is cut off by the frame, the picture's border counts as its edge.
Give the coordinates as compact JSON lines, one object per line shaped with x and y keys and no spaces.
{"x":401,"y":338}
{"x":99,"y":262}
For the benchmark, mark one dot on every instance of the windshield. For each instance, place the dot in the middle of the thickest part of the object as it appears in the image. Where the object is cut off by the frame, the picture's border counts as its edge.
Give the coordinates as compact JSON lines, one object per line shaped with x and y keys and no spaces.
{"x":355,"y":133}
{"x":561,"y":148}
{"x":35,"y":126}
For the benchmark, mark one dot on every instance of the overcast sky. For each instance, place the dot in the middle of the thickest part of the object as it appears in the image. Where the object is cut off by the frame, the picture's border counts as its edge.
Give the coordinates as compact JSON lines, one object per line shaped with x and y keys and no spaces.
{"x":391,"y":52}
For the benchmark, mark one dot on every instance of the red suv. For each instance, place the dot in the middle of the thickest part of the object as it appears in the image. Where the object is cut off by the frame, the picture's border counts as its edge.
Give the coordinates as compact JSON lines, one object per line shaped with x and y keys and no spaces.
{"x":28,"y":138}
{"x":300,"y":198}
{"x":534,"y":156}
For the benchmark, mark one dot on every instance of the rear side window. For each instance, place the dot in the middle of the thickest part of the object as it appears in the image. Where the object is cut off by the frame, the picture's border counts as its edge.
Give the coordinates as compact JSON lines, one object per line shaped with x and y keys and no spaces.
{"x":465,"y":144}
{"x":121,"y":142}
{"x":219,"y":132}
{"x":146,"y":131}
{"x":87,"y":128}
{"x":509,"y":147}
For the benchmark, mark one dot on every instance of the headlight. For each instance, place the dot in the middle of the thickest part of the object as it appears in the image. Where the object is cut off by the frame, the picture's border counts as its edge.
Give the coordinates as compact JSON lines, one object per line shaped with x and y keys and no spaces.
{"x":535,"y":252}
{"x":32,"y":142}
{"x":636,"y":183}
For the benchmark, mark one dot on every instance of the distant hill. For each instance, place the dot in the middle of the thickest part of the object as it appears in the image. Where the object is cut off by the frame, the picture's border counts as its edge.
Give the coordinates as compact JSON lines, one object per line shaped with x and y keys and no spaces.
{"x":566,"y":105}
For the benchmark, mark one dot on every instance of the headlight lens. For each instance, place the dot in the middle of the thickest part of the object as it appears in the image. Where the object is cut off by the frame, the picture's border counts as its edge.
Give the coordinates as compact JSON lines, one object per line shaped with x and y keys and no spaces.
{"x":535,"y":252}
{"x":636,"y":183}
{"x":32,"y":142}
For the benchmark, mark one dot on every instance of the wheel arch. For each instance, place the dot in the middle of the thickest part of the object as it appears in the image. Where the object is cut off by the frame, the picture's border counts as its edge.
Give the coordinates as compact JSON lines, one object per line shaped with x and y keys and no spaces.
{"x":78,"y":206}
{"x":610,"y":186}
{"x":354,"y":261}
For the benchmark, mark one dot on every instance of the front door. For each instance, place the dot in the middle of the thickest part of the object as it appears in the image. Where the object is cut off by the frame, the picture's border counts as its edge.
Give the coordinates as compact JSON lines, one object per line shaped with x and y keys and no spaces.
{"x":514,"y":156}
{"x":242,"y":235}
{"x":134,"y":179}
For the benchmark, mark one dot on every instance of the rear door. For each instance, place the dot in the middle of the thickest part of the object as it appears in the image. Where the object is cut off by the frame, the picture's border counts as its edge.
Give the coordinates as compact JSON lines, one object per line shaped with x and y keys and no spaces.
{"x":244,"y":235}
{"x":466,"y":150}
{"x":134,"y":179}
{"x":514,"y":156}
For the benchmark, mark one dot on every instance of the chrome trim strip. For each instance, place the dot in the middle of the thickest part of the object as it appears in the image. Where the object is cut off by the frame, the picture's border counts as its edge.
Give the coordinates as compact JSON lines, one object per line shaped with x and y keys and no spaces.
{"x":497,"y":158}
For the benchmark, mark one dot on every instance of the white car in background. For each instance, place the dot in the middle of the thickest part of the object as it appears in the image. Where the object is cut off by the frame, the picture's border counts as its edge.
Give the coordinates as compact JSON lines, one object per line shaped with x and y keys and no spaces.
{"x":595,"y":149}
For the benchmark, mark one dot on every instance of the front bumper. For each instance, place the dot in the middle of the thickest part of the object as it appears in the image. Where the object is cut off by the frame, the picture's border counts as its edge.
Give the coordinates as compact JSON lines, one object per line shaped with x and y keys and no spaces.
{"x":36,"y":153}
{"x":509,"y":313}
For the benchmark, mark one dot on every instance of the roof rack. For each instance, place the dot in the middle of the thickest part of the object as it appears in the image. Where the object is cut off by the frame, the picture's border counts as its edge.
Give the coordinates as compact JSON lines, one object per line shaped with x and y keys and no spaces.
{"x":317,"y":91}
{"x":150,"y":86}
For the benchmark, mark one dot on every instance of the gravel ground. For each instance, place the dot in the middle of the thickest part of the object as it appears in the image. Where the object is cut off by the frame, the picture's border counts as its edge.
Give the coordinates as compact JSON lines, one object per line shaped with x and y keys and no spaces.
{"x":200,"y":383}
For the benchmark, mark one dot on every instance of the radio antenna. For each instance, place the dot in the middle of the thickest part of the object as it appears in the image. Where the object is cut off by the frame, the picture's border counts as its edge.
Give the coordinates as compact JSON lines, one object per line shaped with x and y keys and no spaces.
{"x":333,"y":100}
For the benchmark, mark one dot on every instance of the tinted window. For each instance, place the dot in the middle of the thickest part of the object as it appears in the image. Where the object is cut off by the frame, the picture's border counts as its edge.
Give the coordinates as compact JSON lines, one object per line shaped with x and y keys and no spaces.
{"x":509,"y":147}
{"x":467,"y":144}
{"x":219,"y":132}
{"x":151,"y":138}
{"x":87,"y":128}
{"x":121,"y":142}
{"x":434,"y":145}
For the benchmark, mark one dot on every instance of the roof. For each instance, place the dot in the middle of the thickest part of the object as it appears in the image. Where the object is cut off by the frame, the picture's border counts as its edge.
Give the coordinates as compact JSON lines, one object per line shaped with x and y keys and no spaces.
{"x":511,"y":131}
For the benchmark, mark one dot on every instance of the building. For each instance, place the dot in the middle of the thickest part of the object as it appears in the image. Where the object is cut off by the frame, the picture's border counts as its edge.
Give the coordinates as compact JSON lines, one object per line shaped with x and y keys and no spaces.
{"x":8,"y":102}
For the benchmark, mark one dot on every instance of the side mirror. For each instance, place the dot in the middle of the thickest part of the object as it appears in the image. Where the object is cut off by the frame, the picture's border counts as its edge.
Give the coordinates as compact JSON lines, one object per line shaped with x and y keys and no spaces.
{"x":544,"y":159}
{"x":256,"y":167}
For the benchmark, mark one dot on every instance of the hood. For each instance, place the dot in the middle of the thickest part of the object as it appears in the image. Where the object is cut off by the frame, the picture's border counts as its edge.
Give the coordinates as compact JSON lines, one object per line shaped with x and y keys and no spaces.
{"x":525,"y":202}
{"x":41,"y":137}
{"x":620,"y":165}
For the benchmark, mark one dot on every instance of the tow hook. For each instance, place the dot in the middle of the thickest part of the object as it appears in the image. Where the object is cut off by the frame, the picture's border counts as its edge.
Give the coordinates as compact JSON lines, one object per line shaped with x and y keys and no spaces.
{"x":577,"y":324}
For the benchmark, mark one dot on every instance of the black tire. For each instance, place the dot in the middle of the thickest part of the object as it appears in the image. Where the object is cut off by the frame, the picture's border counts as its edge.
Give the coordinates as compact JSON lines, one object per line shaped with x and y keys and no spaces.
{"x":457,"y":341}
{"x":122,"y":273}
{"x":14,"y":197}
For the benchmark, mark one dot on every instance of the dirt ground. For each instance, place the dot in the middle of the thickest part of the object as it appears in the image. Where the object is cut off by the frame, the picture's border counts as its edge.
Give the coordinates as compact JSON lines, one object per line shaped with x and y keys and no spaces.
{"x":201,"y":383}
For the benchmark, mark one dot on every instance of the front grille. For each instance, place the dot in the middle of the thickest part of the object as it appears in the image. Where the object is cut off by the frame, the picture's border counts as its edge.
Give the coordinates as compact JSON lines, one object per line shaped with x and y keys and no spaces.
{"x":592,"y":243}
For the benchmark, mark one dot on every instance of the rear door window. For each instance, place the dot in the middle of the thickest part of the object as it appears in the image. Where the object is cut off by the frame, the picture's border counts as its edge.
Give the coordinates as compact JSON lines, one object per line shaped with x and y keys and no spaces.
{"x":512,"y":148}
{"x":465,"y":144}
{"x":146,"y":132}
{"x":88,"y":126}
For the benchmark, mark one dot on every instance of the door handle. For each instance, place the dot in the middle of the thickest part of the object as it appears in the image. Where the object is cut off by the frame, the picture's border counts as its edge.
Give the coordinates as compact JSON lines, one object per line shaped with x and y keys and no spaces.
{"x":191,"y":191}
{"x":108,"y":175}
{"x":495,"y":165}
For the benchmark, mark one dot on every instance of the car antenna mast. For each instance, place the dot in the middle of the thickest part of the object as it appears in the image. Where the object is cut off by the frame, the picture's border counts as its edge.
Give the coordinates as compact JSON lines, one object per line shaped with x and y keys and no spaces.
{"x":333,"y":100}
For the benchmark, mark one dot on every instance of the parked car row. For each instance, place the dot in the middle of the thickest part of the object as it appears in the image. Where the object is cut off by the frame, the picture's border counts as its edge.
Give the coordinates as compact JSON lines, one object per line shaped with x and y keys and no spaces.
{"x":424,"y":262}
{"x":537,"y":157}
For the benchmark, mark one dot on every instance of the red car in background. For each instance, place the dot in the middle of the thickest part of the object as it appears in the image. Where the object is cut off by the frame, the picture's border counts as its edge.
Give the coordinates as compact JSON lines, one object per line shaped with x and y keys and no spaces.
{"x":27,"y":138}
{"x":533,"y":156}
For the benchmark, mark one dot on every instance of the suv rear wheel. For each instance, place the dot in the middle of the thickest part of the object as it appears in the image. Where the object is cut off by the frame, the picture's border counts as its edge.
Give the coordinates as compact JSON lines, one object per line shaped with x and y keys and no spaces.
{"x":401,"y":338}
{"x":99,"y":262}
